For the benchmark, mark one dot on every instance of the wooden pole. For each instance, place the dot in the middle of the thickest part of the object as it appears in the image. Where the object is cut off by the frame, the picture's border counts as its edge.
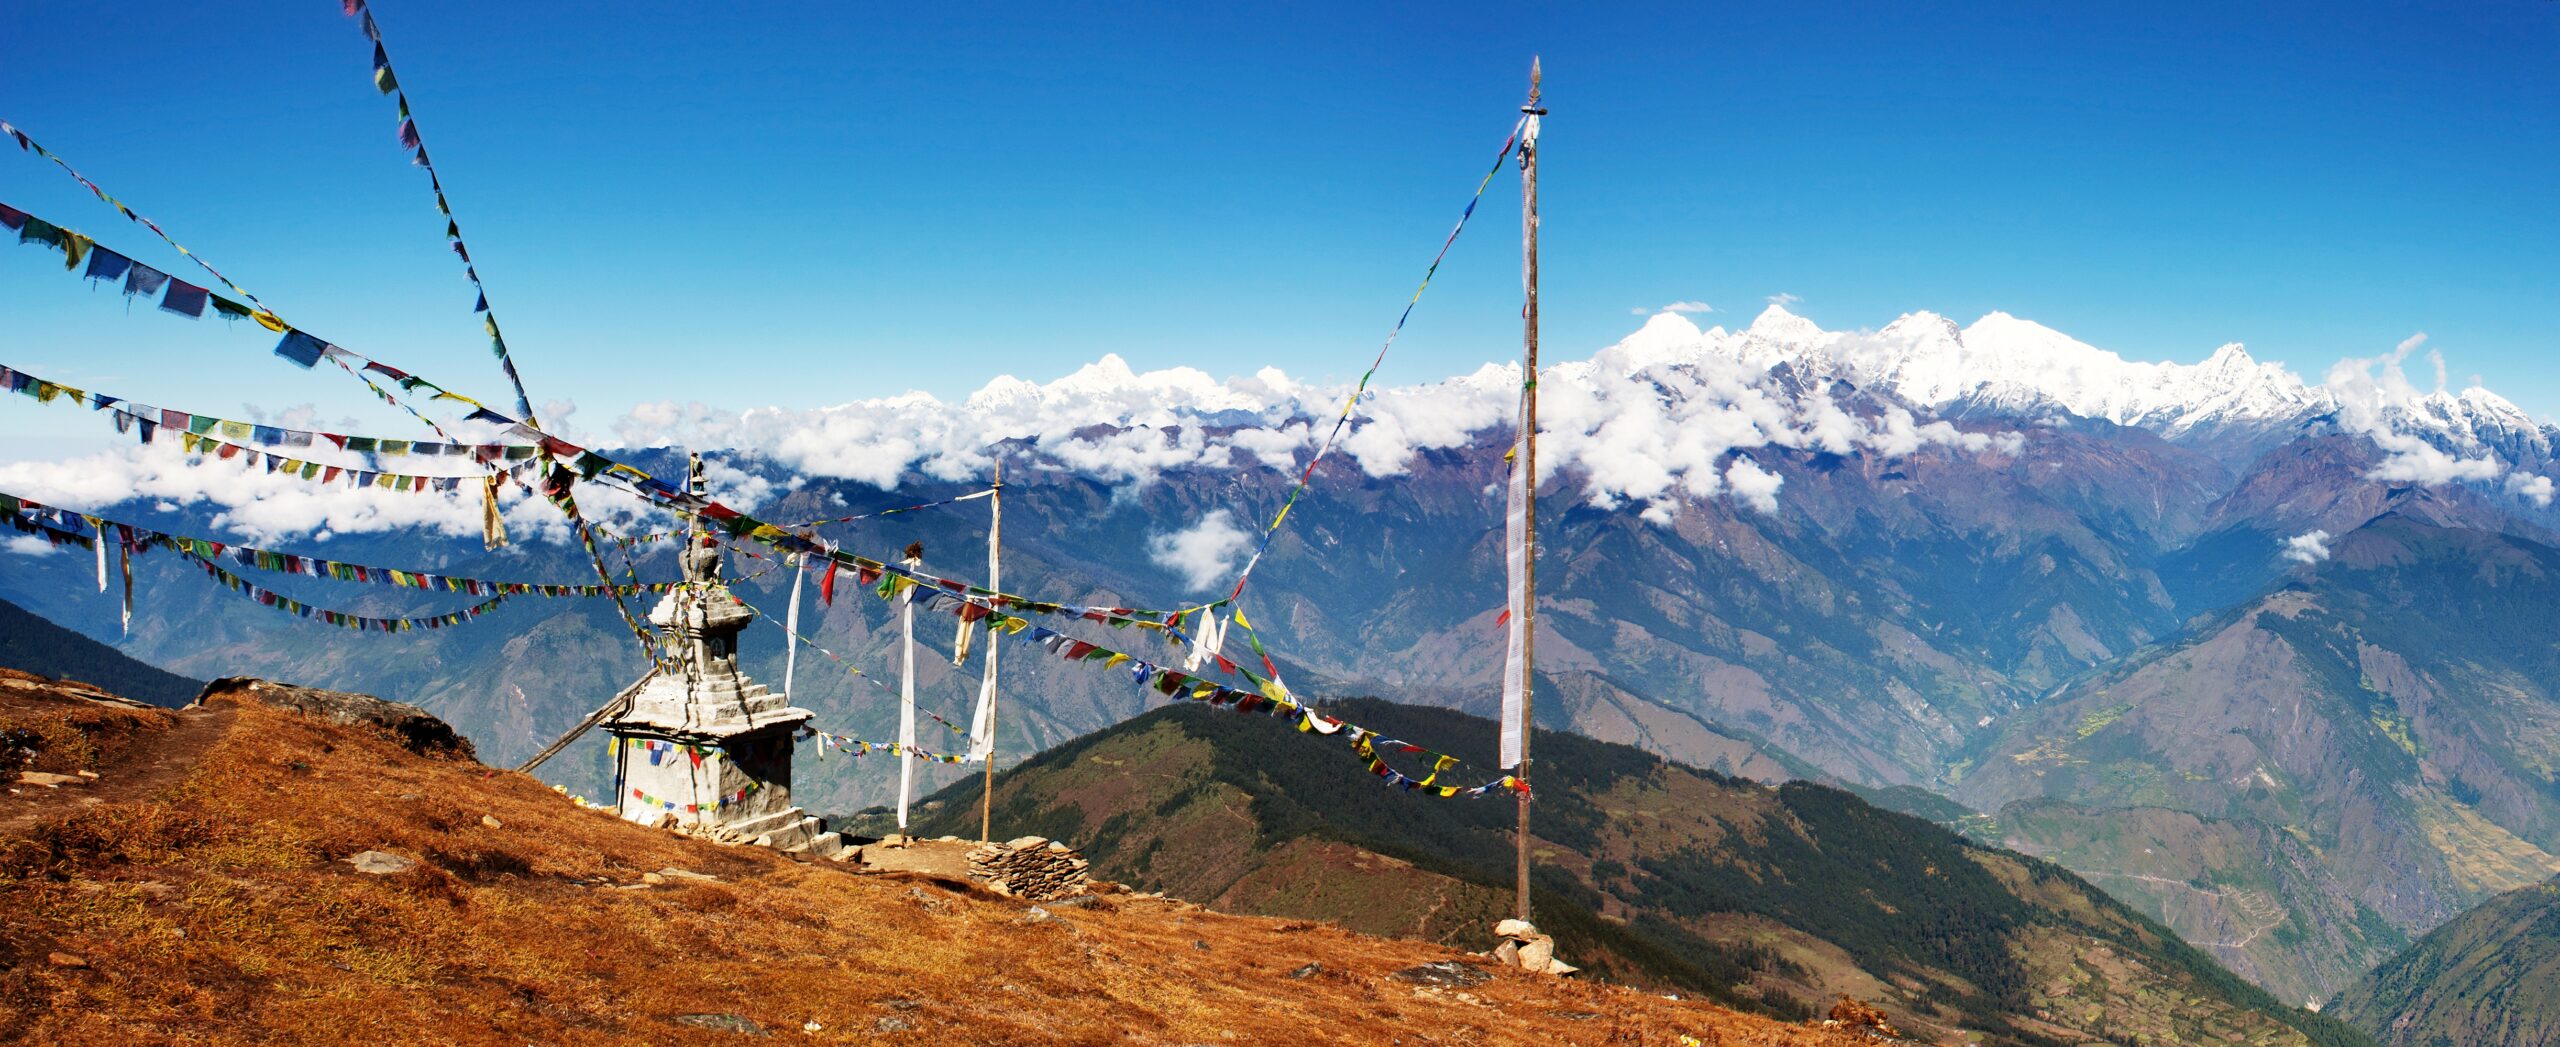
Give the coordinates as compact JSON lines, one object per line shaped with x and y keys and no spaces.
{"x":995,"y":544}
{"x":606,"y":711}
{"x":1529,"y":457}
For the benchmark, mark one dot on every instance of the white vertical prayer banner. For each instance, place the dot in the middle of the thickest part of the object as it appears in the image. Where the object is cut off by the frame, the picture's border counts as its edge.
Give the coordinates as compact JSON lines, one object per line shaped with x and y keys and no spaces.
{"x":791,"y":625}
{"x":906,"y":695}
{"x":1515,"y":545}
{"x":982,"y":727}
{"x":124,"y":559}
{"x":102,"y":552}
{"x":1208,"y":642}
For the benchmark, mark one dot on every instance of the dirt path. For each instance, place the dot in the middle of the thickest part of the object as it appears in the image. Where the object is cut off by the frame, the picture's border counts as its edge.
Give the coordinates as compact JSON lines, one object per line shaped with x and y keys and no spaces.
{"x":146,"y":764}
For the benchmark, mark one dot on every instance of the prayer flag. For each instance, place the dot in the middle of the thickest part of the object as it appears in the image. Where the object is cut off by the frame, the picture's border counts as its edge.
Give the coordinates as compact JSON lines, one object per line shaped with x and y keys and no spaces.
{"x":1515,"y":544}
{"x":184,"y":299}
{"x":300,"y":348}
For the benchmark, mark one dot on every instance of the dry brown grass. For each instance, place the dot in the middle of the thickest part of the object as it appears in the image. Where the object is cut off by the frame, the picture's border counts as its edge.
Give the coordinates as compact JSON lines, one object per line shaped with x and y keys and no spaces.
{"x":219,"y":910}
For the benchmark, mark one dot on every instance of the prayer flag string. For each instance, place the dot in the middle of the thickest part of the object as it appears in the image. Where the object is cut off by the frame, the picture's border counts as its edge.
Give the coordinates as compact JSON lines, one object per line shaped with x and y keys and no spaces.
{"x":306,"y":350}
{"x":411,"y":140}
{"x":269,"y":597}
{"x":150,"y":418}
{"x":1372,"y":747}
{"x":1307,"y":476}
{"x":139,"y":537}
{"x":660,"y":536}
{"x":197,"y":294}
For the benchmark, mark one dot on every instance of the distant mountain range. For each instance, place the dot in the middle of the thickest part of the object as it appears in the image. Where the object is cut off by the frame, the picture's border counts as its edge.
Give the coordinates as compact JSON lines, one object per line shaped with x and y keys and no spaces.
{"x":1770,"y":899}
{"x":2252,"y":653}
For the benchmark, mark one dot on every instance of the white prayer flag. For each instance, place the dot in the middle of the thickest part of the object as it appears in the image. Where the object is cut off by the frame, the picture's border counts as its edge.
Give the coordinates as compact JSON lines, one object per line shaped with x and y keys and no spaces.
{"x":1515,"y":544}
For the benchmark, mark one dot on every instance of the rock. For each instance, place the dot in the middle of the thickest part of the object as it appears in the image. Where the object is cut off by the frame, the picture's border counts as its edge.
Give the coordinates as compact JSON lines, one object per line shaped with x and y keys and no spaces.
{"x":673,"y":873}
{"x":1514,"y":929}
{"x":50,"y":781}
{"x":1444,"y":972}
{"x":652,"y":879}
{"x":1852,"y":1011}
{"x":1035,"y":914}
{"x":90,"y":775}
{"x":1538,"y":954}
{"x":812,"y":1026}
{"x":1308,"y":971}
{"x":492,"y":821}
{"x":414,"y":728}
{"x":721,"y":1022}
{"x":890,"y":1024}
{"x":64,"y":959}
{"x":1024,"y":843}
{"x":381,"y":863}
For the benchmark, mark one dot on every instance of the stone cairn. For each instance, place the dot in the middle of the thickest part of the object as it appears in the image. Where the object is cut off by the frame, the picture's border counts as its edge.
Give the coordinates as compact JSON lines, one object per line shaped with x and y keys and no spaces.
{"x":1523,"y":947}
{"x":1032,"y":868}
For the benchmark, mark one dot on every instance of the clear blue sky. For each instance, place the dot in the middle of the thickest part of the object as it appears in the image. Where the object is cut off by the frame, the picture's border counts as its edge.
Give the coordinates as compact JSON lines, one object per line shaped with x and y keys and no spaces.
{"x":840,"y":201}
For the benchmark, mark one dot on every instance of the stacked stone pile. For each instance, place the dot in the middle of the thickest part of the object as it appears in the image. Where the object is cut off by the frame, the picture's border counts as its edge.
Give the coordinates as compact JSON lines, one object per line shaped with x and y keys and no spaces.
{"x":1031,"y":868}
{"x":1523,"y":947}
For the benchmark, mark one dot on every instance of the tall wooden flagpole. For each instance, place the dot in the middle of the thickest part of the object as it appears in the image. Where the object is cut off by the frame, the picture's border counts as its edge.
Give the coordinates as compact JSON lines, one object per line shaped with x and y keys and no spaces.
{"x":1529,"y":452}
{"x":995,"y":542}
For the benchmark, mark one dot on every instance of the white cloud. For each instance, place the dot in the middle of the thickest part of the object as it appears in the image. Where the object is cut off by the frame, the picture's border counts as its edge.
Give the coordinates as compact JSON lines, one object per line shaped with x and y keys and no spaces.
{"x":1686,"y":305}
{"x":1206,"y":553}
{"x":2531,"y":487}
{"x":1756,"y":487}
{"x":261,"y":506}
{"x":2374,"y":394}
{"x":1783,"y":299}
{"x":2307,"y":547}
{"x":27,"y":545}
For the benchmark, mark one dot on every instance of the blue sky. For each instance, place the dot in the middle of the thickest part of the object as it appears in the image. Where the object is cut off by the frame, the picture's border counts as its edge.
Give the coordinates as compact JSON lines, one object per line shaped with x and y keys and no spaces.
{"x":828,"y":203}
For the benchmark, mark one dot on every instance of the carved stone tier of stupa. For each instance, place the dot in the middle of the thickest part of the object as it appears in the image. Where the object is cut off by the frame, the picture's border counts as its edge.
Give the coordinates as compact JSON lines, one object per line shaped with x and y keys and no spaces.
{"x":702,"y":746}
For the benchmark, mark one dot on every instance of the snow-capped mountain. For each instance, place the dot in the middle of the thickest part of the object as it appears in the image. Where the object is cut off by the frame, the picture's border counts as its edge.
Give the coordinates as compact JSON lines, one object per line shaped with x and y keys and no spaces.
{"x":2005,"y":367}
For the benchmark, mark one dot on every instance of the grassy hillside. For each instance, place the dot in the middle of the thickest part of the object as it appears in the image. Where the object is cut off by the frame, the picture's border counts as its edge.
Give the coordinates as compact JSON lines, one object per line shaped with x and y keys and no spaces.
{"x":2490,"y":976}
{"x":200,"y":891}
{"x":32,"y":644}
{"x":1647,"y":871}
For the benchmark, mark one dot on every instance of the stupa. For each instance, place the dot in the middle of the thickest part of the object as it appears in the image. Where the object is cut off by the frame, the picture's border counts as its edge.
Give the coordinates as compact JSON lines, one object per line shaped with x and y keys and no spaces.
{"x":702,"y":746}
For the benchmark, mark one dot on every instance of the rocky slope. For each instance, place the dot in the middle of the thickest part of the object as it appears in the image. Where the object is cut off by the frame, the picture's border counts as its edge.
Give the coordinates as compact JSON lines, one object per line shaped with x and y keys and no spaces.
{"x":2491,"y":975}
{"x":244,"y":874}
{"x":2303,"y":785}
{"x":1648,"y":871}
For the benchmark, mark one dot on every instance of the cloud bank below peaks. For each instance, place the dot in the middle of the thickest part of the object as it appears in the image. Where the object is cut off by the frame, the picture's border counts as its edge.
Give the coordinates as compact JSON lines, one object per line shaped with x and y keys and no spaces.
{"x":1635,"y":424}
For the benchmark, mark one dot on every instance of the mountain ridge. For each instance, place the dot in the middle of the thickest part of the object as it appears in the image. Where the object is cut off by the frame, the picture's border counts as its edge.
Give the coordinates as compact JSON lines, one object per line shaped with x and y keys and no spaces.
{"x":1747,"y":893}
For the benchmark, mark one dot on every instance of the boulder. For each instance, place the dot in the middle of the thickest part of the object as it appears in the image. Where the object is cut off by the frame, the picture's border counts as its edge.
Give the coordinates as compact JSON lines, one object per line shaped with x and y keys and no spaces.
{"x":382,"y":863}
{"x":413,"y":728}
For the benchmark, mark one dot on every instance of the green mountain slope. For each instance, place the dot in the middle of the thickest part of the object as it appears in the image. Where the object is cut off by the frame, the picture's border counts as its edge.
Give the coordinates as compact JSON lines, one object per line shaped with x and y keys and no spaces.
{"x":1648,"y":871}
{"x":33,"y":644}
{"x":2491,"y":975}
{"x":2304,"y":785}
